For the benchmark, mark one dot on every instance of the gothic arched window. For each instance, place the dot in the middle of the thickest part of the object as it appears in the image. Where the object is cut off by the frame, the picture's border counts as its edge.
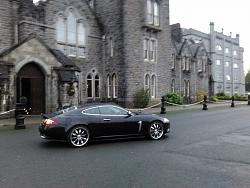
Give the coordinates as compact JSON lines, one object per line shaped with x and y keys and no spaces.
{"x":60,"y":29}
{"x":115,"y":85}
{"x":153,"y":86}
{"x":71,"y":34}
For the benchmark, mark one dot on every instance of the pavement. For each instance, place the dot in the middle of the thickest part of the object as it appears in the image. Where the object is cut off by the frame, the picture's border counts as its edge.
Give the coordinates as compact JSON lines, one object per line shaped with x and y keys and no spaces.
{"x":36,"y":119}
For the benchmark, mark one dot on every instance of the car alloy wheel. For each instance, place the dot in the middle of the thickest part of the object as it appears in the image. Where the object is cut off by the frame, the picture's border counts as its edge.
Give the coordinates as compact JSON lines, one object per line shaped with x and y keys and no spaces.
{"x":78,"y":136}
{"x":156,"y":130}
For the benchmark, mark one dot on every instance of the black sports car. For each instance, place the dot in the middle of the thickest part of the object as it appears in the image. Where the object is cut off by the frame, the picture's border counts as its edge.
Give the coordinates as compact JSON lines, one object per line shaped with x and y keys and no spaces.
{"x":80,"y":125}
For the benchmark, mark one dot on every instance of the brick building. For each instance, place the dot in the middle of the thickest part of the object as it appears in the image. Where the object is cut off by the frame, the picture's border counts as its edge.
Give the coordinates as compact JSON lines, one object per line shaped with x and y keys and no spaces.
{"x":66,"y":52}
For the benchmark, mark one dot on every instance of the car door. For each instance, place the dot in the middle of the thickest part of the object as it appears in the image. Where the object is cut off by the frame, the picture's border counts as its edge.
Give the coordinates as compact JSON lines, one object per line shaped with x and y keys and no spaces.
{"x":117,"y":121}
{"x":92,"y":117}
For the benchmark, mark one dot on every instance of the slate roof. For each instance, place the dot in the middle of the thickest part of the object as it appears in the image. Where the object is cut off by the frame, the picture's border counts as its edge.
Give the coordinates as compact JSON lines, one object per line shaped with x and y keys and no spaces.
{"x":63,"y":59}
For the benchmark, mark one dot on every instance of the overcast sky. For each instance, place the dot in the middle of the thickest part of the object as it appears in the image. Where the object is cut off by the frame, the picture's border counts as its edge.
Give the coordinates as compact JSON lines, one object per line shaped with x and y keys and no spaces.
{"x":231,"y":15}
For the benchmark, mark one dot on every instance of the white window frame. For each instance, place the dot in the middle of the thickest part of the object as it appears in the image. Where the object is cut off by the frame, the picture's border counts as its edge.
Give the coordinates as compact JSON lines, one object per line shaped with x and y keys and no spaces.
{"x":218,"y":62}
{"x":199,"y":65}
{"x":173,"y":86}
{"x":153,"y":86}
{"x":114,"y":85}
{"x":228,"y":78}
{"x":173,"y":59}
{"x":97,"y":86}
{"x":109,"y":86}
{"x":89,"y":80}
{"x":188,"y":88}
{"x":235,"y":66}
{"x":93,"y":79}
{"x":146,"y":48}
{"x":156,"y":13}
{"x":60,"y":27}
{"x":218,"y":47}
{"x":153,"y":12}
{"x":74,"y":42}
{"x":147,"y":82}
{"x":150,"y":15}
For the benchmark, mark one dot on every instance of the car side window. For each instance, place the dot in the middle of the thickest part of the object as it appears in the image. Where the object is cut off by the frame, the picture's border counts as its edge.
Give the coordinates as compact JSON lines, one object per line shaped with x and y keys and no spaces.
{"x":110,"y":110}
{"x":92,"y":111}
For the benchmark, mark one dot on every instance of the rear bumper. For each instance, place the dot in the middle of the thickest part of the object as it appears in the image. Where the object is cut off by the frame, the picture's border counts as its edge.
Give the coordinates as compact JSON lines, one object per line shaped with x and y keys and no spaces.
{"x":52,"y":132}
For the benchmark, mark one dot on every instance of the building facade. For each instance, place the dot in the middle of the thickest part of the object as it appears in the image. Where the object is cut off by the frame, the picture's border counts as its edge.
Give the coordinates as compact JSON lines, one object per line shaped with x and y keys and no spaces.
{"x":190,"y":67}
{"x":227,"y":57}
{"x":68,"y":52}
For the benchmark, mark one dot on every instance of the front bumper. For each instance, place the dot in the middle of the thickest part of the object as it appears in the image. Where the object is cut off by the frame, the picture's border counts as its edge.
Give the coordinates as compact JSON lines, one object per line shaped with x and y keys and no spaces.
{"x":166,"y":128}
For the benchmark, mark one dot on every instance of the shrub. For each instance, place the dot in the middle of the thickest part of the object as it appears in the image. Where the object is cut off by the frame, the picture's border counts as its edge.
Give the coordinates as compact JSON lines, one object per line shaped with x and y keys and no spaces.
{"x":173,"y":98}
{"x":213,"y":98}
{"x":220,"y":94}
{"x":200,"y":95}
{"x":141,"y":98}
{"x":240,"y":98}
{"x":23,"y":99}
{"x":225,"y":97}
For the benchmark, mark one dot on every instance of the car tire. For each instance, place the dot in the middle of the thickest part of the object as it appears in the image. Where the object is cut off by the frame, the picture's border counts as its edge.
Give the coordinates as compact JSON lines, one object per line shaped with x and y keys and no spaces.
{"x":156,"y":130}
{"x":78,"y":136}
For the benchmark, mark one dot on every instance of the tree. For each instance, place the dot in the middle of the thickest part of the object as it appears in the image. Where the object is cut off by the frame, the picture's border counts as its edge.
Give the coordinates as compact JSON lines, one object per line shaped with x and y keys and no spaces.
{"x":247,"y":81}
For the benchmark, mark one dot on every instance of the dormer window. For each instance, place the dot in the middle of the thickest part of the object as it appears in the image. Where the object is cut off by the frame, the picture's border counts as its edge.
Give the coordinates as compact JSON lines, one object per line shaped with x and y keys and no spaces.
{"x":153,"y":12}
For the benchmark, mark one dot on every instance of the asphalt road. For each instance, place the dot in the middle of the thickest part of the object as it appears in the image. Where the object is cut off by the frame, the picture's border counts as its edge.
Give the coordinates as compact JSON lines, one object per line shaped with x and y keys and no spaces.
{"x":205,"y":149}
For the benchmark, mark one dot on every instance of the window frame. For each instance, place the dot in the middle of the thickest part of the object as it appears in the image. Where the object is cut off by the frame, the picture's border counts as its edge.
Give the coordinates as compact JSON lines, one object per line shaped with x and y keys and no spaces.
{"x":153,"y":86}
{"x":153,"y":12}
{"x":92,"y":80}
{"x":114,"y":86}
{"x":173,"y":86}
{"x":109,"y":86}
{"x":173,"y":60}
{"x":75,"y":38}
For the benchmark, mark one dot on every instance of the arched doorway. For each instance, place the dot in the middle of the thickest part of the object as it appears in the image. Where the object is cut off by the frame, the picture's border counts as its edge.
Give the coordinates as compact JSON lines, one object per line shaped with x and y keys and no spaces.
{"x":31,"y":84}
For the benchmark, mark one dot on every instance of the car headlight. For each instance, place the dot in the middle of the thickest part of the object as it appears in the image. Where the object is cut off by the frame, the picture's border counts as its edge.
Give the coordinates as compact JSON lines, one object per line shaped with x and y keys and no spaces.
{"x":165,"y":120}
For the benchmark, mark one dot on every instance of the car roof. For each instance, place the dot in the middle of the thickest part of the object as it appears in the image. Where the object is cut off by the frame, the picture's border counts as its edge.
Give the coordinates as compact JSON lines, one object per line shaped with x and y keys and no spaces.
{"x":89,"y":105}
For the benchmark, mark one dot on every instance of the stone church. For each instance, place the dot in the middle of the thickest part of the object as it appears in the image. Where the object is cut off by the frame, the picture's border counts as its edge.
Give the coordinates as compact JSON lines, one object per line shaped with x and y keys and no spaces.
{"x":67,"y":52}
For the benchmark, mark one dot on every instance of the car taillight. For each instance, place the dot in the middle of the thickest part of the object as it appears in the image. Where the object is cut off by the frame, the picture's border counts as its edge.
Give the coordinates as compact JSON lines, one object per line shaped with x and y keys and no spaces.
{"x":49,"y":122}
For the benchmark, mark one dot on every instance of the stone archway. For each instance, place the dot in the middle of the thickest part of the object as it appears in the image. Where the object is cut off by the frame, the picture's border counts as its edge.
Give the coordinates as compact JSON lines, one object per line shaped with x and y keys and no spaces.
{"x":31,"y":84}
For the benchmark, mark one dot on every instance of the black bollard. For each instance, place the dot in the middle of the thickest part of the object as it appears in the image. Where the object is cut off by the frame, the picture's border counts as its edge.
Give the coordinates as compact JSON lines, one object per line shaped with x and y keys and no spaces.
{"x":205,"y":103}
{"x":248,"y":99}
{"x":163,"y":109}
{"x":19,"y":116}
{"x":232,"y":103}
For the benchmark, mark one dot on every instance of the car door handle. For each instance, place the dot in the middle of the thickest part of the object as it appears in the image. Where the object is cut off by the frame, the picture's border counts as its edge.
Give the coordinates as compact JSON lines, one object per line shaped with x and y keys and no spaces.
{"x":106,"y":119}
